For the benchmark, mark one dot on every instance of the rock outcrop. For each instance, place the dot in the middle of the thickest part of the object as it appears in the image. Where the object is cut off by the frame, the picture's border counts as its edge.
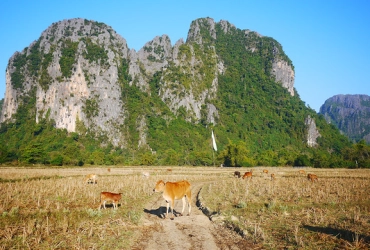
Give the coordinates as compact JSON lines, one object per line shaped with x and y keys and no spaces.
{"x":312,"y":132}
{"x":284,"y":74}
{"x":350,"y":114}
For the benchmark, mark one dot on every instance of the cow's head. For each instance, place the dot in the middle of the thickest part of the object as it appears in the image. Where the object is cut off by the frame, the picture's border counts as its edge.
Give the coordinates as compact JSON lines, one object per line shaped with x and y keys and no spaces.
{"x":159,"y":186}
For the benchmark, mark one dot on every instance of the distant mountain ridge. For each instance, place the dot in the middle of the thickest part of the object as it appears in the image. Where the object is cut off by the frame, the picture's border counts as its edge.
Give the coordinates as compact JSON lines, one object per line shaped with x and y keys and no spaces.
{"x":350,"y":113}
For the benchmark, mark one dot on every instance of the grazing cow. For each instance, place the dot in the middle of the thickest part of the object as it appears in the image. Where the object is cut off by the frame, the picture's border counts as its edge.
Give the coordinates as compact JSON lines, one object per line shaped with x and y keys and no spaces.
{"x":312,"y":177}
{"x":302,"y":171}
{"x":110,"y":197}
{"x":272,"y":177}
{"x":237,"y":174}
{"x":265,"y":171}
{"x":247,"y":175}
{"x":174,"y":191}
{"x":91,"y":178}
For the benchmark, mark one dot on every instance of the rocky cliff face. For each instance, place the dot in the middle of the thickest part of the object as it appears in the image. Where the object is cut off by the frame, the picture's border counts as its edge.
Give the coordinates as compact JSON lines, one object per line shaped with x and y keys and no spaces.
{"x":77,"y":69}
{"x":284,"y":74}
{"x":312,"y":133}
{"x":350,"y":113}
{"x":71,"y":82}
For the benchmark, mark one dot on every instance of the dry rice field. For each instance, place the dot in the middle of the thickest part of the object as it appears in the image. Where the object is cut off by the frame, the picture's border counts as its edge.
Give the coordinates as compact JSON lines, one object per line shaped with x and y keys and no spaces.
{"x":53,"y":208}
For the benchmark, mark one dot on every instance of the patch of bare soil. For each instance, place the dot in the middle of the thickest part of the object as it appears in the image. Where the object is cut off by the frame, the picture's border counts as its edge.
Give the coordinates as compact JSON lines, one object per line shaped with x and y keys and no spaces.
{"x":185,"y":232}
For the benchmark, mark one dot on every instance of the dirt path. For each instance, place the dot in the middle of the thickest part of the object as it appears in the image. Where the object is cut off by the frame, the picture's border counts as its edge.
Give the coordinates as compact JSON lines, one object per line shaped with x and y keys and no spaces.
{"x":185,"y":232}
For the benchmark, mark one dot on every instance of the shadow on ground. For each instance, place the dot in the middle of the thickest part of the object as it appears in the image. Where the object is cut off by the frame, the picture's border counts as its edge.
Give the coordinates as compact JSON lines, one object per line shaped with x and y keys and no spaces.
{"x":110,"y":205}
{"x":340,"y":233}
{"x":161,"y":212}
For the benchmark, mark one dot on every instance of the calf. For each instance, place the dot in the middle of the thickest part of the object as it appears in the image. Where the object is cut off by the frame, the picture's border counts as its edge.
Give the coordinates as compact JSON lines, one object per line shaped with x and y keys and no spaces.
{"x":237,"y":174}
{"x":302,"y":171}
{"x":110,"y":197}
{"x":247,"y":175}
{"x":312,"y":177}
{"x":174,"y":191}
{"x":91,"y":178}
{"x":272,"y":177}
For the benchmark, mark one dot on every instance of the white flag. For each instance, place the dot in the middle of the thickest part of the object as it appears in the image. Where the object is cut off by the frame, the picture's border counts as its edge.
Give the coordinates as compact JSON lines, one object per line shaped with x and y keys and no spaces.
{"x":214,"y":142}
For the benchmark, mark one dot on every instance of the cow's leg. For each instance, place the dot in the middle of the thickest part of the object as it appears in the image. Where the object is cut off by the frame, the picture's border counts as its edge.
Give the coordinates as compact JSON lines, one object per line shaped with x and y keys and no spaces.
{"x":104,"y":205}
{"x":167,"y":205}
{"x":172,"y":207}
{"x":189,"y":203}
{"x":183,"y":205}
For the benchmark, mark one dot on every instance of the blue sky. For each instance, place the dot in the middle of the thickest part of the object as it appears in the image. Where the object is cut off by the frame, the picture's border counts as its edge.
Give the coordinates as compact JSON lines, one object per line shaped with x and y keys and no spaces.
{"x":327,"y":40}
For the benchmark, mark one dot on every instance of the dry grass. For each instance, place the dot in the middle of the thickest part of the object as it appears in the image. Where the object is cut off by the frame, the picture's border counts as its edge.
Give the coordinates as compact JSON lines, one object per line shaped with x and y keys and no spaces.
{"x":292,"y":212}
{"x":53,"y":208}
{"x":60,"y":211}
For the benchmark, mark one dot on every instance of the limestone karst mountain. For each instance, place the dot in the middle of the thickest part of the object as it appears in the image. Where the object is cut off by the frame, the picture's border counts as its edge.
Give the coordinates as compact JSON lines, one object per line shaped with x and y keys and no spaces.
{"x":83,"y":77}
{"x":350,"y":114}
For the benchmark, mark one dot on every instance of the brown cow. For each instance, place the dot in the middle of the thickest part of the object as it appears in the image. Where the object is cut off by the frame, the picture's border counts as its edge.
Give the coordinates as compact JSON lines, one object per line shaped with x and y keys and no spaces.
{"x":265,"y":171}
{"x":247,"y":175}
{"x":237,"y":174}
{"x":302,"y":171}
{"x":174,"y":191}
{"x":272,"y":177}
{"x":91,"y":178}
{"x":110,"y":197}
{"x":312,"y":177}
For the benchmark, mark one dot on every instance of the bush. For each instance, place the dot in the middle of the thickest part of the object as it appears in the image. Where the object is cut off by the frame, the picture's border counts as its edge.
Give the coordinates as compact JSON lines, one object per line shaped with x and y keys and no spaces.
{"x":302,"y":160}
{"x":57,"y":161}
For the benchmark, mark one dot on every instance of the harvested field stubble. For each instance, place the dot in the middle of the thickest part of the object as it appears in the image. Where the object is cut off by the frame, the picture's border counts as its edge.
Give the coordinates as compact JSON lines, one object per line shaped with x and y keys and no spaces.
{"x":61,"y":211}
{"x":332,"y":213}
{"x":53,"y":208}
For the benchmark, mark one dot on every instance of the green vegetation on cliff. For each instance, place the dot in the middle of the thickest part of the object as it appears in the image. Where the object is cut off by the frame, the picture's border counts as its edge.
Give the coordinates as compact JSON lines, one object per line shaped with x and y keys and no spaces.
{"x":68,"y":58}
{"x":258,"y":121}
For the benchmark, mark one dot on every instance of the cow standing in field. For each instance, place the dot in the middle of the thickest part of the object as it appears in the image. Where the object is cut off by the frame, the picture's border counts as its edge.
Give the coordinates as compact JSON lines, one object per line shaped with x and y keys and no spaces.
{"x":247,"y":175}
{"x":272,"y":177}
{"x":265,"y":171}
{"x":91,"y":178}
{"x":237,"y":174}
{"x":110,"y":197}
{"x":302,"y":171}
{"x":174,"y":191}
{"x":312,"y":177}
